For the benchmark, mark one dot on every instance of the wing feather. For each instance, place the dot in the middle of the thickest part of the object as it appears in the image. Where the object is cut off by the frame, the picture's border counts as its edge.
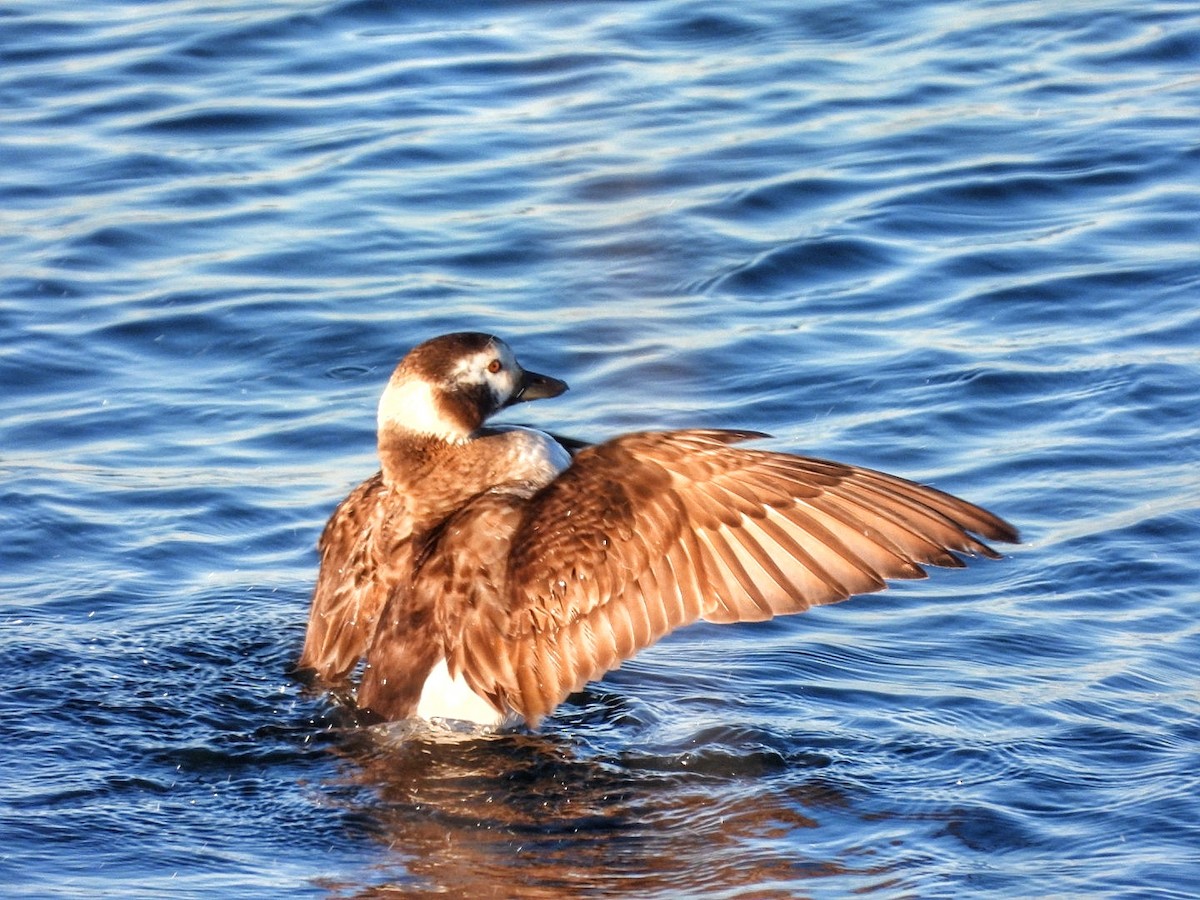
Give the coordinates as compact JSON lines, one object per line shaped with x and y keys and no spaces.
{"x":364,"y":551}
{"x":648,"y":532}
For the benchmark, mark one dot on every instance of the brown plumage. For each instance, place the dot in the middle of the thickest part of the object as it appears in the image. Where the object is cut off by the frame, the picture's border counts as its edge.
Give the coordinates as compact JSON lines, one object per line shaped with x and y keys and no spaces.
{"x":358,"y":567}
{"x":479,"y":565}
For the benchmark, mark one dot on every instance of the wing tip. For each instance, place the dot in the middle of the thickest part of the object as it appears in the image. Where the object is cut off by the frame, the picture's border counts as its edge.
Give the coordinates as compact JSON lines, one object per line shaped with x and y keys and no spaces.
{"x":993,"y":528}
{"x":724,"y":436}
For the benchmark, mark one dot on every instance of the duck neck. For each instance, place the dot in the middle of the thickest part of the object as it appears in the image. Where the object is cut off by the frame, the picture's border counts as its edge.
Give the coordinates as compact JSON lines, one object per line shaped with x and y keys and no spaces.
{"x":406,"y":459}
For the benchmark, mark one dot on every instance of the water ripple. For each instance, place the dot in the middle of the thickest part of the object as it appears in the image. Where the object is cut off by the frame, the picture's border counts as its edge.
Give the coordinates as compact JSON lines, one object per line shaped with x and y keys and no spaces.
{"x":956,"y":241}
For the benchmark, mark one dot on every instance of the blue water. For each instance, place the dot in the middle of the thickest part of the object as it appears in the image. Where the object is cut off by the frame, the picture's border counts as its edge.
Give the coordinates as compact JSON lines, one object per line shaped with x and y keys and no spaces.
{"x":956,"y":240}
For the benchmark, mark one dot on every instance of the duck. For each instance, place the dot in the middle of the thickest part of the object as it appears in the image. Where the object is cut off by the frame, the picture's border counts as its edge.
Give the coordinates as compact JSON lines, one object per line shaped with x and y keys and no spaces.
{"x":487,"y":572}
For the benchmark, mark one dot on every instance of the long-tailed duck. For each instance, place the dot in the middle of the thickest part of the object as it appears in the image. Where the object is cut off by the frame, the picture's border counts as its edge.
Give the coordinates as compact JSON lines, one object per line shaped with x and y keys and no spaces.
{"x":485,"y":574}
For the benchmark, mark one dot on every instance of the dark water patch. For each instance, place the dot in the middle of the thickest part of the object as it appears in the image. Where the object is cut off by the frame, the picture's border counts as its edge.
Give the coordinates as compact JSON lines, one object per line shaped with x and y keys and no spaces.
{"x":699,"y":28}
{"x":1179,"y":48}
{"x":1015,"y":193}
{"x":818,"y":260}
{"x":222,"y":123}
{"x":784,"y":200}
{"x":987,"y":830}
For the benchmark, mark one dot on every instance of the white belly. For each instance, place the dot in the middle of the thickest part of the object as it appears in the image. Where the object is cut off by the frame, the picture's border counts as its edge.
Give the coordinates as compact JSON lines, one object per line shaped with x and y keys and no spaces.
{"x":443,"y":697}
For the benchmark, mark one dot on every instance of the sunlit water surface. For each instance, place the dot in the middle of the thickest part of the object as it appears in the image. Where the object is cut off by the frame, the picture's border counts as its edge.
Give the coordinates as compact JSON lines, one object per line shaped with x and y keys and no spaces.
{"x":955,"y":240}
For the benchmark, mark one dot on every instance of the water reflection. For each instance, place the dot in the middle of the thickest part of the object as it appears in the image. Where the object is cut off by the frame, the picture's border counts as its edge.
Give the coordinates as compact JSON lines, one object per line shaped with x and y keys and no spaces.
{"x":535,"y":815}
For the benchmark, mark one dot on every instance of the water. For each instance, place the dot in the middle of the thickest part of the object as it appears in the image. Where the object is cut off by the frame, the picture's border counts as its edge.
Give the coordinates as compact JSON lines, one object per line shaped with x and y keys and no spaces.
{"x":954,"y":240}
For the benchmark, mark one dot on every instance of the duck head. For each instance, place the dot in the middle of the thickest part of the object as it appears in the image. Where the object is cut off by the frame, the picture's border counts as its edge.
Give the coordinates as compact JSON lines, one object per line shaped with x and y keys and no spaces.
{"x":447,"y":387}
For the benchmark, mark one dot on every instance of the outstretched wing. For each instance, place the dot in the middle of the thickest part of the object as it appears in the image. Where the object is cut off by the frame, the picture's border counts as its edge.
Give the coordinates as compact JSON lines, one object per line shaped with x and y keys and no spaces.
{"x":360,"y":560}
{"x":651,"y":531}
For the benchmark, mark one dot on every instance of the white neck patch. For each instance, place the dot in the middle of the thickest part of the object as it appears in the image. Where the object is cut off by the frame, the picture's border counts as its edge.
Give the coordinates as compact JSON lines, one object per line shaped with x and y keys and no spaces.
{"x":412,"y":406}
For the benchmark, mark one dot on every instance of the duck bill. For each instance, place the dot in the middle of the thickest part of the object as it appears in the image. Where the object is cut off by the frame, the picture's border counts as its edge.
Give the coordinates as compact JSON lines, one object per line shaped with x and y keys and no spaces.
{"x":537,"y":387}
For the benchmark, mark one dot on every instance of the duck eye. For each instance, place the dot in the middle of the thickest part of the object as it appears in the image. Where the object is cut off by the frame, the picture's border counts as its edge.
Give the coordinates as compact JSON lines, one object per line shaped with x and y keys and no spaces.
{"x":495,"y":366}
